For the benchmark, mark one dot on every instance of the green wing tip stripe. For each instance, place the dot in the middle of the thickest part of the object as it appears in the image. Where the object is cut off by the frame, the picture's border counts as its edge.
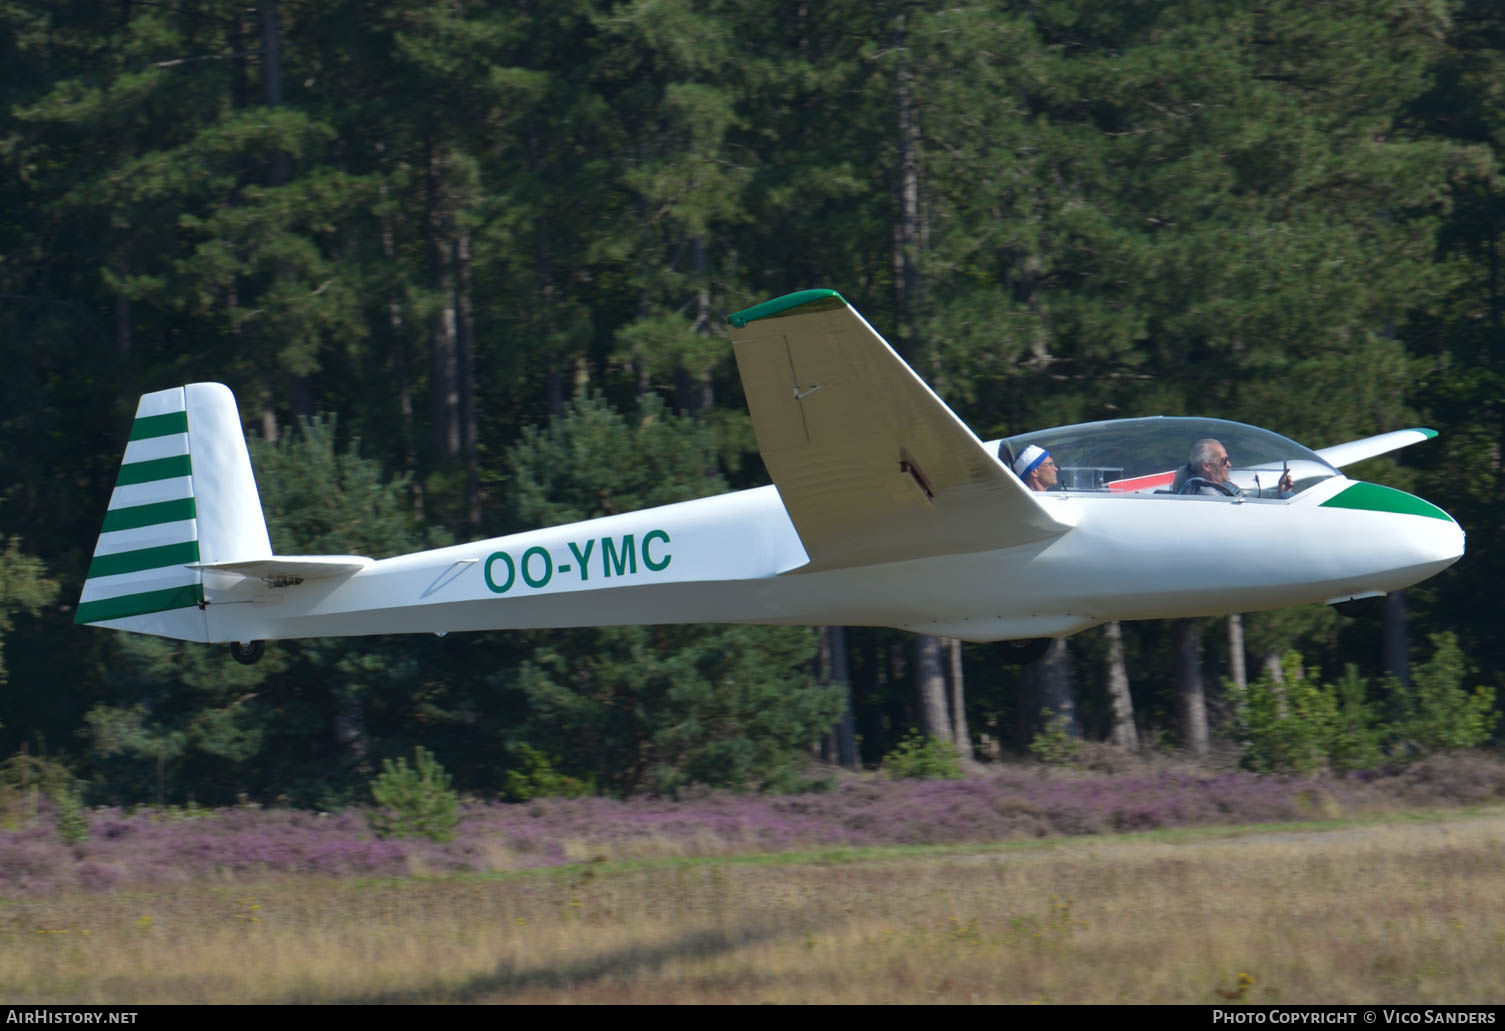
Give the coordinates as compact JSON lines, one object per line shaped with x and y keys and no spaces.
{"x":1371,"y":497}
{"x":811,"y":300}
{"x":149,"y":426}
{"x":1430,"y":433}
{"x":142,"y":604}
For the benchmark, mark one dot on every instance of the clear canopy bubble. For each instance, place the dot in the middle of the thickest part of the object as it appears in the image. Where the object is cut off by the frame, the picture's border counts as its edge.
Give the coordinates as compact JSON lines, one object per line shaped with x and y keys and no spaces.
{"x":1144,"y":456}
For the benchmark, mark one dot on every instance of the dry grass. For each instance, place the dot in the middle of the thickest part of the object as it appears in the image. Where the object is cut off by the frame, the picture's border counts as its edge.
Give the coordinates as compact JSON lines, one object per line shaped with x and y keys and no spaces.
{"x":1407,"y":911}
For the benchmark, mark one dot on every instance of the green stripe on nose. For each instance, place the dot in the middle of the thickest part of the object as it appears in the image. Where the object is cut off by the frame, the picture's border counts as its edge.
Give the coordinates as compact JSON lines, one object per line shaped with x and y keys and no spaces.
{"x":1371,"y":497}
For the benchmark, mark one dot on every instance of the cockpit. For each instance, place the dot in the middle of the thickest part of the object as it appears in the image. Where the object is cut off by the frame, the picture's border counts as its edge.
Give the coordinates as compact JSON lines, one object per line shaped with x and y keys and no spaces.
{"x":1149,"y":456}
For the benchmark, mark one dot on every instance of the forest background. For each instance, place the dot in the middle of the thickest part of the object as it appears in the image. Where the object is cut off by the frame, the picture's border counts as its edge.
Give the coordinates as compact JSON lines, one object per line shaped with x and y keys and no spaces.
{"x":466,"y":266}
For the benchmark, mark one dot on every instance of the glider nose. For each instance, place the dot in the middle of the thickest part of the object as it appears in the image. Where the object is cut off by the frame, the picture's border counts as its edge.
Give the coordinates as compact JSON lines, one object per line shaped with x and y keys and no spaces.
{"x":1418,"y":537}
{"x":1448,"y":540}
{"x":1433,"y":543}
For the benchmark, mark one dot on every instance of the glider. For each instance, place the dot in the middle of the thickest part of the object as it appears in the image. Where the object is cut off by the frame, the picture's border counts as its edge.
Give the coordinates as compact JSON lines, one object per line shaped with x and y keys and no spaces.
{"x":885,"y":510}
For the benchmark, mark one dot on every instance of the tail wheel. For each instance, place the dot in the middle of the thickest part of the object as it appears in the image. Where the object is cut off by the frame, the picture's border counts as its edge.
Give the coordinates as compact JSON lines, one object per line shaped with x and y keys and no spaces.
{"x":249,"y":653}
{"x":1022,"y":653}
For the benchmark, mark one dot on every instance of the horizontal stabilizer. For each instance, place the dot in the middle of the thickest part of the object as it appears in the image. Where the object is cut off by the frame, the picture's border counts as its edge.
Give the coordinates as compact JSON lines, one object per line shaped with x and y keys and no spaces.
{"x":871,"y":465}
{"x":288,"y":569}
{"x":1340,"y":455}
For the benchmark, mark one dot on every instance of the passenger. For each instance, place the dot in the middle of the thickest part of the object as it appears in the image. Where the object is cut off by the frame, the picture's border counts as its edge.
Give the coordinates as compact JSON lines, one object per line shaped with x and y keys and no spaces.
{"x":1036,"y":468}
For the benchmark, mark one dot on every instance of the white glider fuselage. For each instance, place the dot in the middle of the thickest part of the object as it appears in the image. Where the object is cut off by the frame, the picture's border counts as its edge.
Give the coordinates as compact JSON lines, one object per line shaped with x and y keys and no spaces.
{"x":885,"y":510}
{"x":735,"y":558}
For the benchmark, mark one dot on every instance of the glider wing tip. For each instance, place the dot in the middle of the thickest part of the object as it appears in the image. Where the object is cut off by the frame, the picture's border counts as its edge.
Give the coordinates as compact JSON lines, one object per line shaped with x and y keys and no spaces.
{"x":809,"y":300}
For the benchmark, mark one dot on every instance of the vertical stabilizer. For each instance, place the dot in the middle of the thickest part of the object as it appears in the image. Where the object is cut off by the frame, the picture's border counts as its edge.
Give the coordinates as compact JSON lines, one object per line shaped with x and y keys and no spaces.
{"x":185,"y":495}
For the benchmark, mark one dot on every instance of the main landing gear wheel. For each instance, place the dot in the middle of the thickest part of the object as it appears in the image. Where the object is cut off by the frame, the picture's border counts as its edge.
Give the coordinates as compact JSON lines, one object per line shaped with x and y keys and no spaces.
{"x":1354,"y":608}
{"x":1022,"y":653}
{"x":248,"y":654}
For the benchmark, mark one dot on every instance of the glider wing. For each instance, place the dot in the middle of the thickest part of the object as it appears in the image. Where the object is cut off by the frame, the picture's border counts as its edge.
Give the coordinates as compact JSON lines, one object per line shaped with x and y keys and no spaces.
{"x":1340,"y":455}
{"x":871,"y":465}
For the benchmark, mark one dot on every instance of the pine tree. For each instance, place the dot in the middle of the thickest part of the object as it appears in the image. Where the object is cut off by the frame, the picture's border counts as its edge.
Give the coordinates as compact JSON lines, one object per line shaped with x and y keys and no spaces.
{"x":653,"y":708}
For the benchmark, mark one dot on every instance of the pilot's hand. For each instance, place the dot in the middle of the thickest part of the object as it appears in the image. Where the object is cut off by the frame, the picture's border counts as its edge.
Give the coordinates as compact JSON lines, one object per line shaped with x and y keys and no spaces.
{"x":1286,"y":483}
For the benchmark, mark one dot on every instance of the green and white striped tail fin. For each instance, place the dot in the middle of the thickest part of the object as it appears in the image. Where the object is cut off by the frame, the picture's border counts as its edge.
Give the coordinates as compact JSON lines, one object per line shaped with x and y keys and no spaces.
{"x":185,"y":497}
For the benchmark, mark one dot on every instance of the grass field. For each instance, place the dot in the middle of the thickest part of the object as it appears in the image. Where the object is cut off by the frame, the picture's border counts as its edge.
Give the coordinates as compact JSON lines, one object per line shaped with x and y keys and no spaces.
{"x":1399,"y":909}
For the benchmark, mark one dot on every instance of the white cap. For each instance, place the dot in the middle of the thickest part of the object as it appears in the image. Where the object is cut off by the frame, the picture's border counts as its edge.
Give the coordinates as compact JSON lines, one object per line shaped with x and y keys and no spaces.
{"x":1030,"y":457}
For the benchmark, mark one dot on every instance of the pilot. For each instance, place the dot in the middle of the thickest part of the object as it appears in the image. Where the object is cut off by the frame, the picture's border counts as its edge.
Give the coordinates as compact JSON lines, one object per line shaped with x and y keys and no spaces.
{"x":1036,"y":468}
{"x":1206,"y":472}
{"x":1209,"y":463}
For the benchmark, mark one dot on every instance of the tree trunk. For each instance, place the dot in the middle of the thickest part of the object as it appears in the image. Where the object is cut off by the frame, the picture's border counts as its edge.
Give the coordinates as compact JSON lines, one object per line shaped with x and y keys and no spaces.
{"x":300,"y":390}
{"x":871,"y":718}
{"x":444,"y":370}
{"x":401,"y":368}
{"x":1027,"y":705}
{"x":930,"y":680}
{"x":1237,"y":669}
{"x":908,"y":236}
{"x":929,"y":677}
{"x":1191,"y":702}
{"x":958,"y":700}
{"x":701,"y":396}
{"x":465,"y":372}
{"x":1395,"y":652}
{"x":281,"y":169}
{"x":1272,"y":668}
{"x":1055,"y":688}
{"x":543,"y":275}
{"x":1125,"y":734}
{"x":351,"y":737}
{"x":842,"y":749}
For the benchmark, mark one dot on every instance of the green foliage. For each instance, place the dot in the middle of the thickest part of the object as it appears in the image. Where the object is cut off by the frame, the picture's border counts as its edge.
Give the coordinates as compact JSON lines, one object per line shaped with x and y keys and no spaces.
{"x":1303,"y":726}
{"x":1054,"y":744}
{"x":593,"y":460}
{"x":414,"y":801}
{"x":1436,"y":712}
{"x":1290,"y":727}
{"x":25,"y":779}
{"x":24,"y":587}
{"x":657,"y":708}
{"x":1357,"y":737}
{"x":921,"y":757}
{"x":321,"y":499}
{"x":634,"y":708}
{"x":538,"y":779}
{"x":1272,"y":211}
{"x":72,"y":817}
